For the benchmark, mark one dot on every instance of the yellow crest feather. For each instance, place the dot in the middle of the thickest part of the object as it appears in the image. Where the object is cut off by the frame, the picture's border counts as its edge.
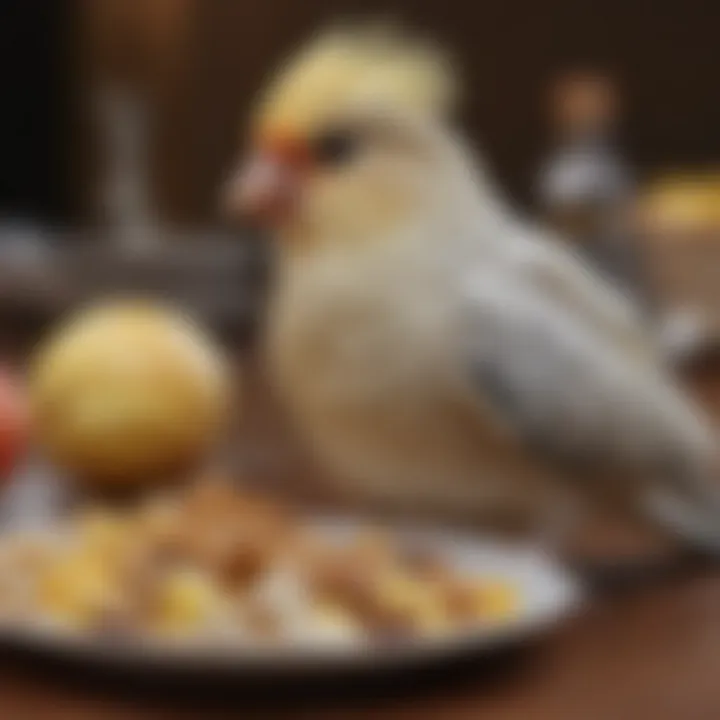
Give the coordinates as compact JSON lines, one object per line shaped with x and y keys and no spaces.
{"x":342,"y":69}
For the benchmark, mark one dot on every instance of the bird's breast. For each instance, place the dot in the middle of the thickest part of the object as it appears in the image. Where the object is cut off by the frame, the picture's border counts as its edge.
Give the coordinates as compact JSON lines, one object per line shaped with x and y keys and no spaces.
{"x":366,"y":364}
{"x":337,"y":349}
{"x":359,"y":339}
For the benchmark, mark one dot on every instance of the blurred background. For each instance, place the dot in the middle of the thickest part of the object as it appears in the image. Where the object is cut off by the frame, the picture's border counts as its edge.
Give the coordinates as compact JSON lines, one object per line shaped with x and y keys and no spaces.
{"x":122,"y":118}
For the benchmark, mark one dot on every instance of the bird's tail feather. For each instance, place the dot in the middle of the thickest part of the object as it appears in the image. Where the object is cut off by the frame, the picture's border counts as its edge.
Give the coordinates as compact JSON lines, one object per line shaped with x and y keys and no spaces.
{"x":695,"y":520}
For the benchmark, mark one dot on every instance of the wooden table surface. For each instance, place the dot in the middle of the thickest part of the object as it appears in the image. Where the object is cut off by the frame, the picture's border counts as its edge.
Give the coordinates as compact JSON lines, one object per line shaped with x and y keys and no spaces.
{"x":651,"y":652}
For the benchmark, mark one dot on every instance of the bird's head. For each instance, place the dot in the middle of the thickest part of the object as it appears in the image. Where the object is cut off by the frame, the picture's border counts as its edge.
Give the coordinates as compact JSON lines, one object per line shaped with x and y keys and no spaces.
{"x":341,"y":142}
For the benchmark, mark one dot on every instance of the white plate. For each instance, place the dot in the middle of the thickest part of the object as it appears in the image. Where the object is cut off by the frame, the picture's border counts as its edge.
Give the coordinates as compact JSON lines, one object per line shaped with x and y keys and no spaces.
{"x":547,"y":595}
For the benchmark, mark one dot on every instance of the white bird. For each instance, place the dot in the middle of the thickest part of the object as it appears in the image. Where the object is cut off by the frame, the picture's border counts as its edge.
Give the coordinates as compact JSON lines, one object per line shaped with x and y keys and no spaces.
{"x":434,"y":349}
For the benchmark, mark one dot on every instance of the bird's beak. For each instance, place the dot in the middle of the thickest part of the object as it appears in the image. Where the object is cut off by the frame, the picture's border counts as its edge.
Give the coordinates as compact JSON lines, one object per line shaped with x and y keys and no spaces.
{"x":264,"y":189}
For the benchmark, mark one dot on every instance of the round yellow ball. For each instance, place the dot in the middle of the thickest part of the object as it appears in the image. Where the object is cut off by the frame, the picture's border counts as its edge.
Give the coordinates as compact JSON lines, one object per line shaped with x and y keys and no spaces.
{"x":127,"y":392}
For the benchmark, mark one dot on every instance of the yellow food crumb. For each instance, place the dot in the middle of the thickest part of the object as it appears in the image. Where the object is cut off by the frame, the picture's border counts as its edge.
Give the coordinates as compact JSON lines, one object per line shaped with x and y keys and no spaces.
{"x":76,"y":590}
{"x":416,"y":601}
{"x":497,"y":599}
{"x":187,"y":600}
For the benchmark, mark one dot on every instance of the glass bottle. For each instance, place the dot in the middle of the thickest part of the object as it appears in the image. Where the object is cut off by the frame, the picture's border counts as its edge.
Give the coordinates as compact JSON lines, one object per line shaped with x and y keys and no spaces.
{"x":585,"y":187}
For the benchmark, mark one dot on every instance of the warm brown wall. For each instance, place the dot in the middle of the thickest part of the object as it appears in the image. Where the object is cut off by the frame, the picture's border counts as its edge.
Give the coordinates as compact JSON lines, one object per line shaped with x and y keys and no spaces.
{"x":664,"y":52}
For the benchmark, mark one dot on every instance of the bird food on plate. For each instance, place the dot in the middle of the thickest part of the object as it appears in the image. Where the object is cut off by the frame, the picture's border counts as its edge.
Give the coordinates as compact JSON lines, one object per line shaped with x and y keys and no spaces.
{"x":218,"y":565}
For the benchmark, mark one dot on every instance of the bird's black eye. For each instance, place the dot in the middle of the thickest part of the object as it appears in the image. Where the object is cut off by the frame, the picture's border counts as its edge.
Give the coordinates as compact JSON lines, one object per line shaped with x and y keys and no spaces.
{"x":335,"y":148}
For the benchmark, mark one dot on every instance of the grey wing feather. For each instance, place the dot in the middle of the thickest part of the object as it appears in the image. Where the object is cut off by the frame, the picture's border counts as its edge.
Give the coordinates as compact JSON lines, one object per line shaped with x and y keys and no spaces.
{"x":559,"y":273}
{"x":574,"y":385}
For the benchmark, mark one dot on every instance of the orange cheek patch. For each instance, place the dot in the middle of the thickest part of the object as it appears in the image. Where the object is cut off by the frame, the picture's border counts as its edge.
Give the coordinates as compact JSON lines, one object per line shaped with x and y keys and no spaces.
{"x":292,"y":152}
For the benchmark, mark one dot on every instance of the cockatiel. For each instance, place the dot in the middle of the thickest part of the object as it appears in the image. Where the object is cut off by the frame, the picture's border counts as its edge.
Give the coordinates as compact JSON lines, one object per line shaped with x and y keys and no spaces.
{"x":435,"y":350}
